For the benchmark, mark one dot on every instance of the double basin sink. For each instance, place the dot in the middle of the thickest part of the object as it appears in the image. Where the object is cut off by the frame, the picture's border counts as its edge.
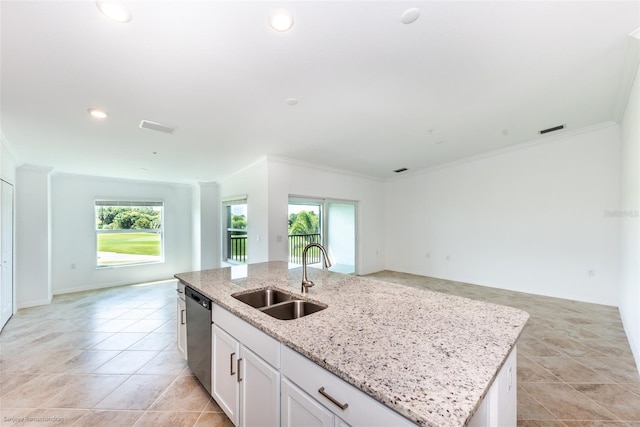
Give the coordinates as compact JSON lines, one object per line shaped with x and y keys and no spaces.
{"x":279,"y":304}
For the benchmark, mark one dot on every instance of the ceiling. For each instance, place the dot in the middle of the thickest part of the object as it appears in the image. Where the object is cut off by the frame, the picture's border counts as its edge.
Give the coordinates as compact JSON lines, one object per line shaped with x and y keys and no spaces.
{"x":374,"y":94}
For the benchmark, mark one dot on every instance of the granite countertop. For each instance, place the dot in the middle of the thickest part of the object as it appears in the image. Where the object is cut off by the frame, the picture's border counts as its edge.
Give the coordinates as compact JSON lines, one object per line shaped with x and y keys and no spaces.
{"x":429,"y":356}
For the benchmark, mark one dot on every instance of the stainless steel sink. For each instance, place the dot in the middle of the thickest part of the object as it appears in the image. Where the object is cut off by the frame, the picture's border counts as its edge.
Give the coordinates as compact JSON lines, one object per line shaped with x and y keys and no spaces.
{"x":263,"y":297}
{"x":293,"y":309}
{"x":278,"y":304}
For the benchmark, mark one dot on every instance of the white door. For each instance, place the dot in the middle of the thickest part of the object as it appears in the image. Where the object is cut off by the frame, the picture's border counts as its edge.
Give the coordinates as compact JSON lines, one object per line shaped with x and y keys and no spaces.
{"x":259,"y":392}
{"x":226,"y":392}
{"x":299,"y":409}
{"x":6,"y":253}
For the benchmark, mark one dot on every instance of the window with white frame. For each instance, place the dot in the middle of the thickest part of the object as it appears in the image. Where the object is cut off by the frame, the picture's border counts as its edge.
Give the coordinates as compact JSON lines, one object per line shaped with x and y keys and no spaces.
{"x":129,"y":232}
{"x":235,"y":230}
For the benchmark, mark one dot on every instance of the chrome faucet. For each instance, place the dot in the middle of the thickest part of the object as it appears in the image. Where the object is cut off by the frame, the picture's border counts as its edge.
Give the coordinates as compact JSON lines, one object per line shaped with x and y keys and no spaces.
{"x":306,"y":283}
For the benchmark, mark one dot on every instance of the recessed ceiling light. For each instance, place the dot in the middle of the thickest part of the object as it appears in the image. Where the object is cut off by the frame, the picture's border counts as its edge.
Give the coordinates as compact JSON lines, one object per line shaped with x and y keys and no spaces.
{"x":292,"y":101}
{"x":281,"y":20}
{"x":410,"y":15}
{"x":97,"y":113}
{"x":114,"y":11}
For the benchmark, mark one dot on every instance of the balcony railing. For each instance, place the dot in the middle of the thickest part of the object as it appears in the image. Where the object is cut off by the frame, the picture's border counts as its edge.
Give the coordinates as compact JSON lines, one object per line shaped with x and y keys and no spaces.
{"x":237,"y":248}
{"x":297,"y":242}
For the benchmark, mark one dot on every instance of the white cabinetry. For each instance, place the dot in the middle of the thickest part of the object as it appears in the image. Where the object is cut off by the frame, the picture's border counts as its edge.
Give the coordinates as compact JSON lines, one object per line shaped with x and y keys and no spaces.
{"x":499,"y":407}
{"x":225,"y":388}
{"x":349,"y":405}
{"x":299,"y":409}
{"x":246,"y":378}
{"x":181,"y":317}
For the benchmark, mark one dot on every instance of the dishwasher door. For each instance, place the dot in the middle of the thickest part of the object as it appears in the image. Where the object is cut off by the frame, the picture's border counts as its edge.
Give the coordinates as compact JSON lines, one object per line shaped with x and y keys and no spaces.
{"x":199,"y":336}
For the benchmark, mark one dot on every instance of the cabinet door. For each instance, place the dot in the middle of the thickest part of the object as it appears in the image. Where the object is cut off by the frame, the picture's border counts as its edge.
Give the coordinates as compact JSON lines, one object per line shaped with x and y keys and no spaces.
{"x":182,"y":327}
{"x":299,"y":409}
{"x":259,"y":391}
{"x":504,"y":407}
{"x":226,"y":352}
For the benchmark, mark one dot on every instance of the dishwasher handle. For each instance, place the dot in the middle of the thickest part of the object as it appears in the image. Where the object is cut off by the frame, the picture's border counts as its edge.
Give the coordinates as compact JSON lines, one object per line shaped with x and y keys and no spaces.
{"x":198,"y":297}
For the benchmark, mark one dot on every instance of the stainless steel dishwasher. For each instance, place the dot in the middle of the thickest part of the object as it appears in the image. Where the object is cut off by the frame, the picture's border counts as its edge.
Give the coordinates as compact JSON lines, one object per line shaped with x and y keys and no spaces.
{"x":199,"y":336}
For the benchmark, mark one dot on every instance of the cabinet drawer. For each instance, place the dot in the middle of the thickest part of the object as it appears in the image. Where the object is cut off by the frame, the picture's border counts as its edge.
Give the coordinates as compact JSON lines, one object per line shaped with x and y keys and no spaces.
{"x":251,"y":337}
{"x":352,"y":405}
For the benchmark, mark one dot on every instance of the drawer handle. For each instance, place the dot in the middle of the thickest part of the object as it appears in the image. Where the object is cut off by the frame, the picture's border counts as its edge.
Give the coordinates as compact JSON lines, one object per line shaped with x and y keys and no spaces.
{"x":179,"y":291}
{"x":182,"y":317}
{"x":231,"y":364}
{"x":342,"y":406}
{"x":238,"y":377}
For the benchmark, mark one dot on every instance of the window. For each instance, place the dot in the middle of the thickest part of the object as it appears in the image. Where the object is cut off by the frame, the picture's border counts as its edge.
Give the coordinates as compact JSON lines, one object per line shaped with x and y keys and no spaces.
{"x":235,"y":241}
{"x":129,"y":233}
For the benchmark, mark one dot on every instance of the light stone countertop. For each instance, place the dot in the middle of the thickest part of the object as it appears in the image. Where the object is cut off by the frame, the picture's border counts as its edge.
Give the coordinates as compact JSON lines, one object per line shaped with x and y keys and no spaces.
{"x":429,"y":356}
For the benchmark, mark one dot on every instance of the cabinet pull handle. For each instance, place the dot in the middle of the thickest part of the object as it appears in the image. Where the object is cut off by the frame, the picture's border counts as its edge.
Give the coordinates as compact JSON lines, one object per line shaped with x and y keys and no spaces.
{"x":231,"y":364}
{"x":182,"y":317}
{"x":239,"y":378}
{"x":342,"y":406}
{"x":179,"y":291}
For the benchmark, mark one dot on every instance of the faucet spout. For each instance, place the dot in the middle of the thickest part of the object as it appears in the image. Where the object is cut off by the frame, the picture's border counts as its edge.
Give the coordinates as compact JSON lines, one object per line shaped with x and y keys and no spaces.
{"x":306,"y":283}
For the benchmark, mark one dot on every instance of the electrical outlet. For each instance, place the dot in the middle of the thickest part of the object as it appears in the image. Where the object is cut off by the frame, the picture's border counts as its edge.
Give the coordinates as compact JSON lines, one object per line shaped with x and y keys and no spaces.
{"x":591,"y":273}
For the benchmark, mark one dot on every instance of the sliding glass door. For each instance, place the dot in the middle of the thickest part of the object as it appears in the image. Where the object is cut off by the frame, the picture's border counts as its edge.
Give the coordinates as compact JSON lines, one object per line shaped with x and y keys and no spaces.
{"x":331,"y":223}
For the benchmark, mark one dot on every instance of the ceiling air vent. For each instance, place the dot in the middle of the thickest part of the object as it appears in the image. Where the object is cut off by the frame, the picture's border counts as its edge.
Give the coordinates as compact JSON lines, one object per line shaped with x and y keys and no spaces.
{"x":146,"y":124}
{"x":553,"y":129}
{"x":401,"y":170}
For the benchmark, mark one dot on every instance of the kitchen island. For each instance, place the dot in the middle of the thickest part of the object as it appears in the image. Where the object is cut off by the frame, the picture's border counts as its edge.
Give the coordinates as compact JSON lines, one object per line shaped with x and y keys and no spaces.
{"x":429,"y":357}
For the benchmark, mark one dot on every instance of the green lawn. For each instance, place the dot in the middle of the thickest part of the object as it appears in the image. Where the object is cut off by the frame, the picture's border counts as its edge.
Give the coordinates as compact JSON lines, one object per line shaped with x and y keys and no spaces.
{"x":130,"y":243}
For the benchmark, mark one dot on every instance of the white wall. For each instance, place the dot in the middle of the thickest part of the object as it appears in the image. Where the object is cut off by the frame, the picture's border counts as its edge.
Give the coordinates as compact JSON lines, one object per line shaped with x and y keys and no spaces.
{"x":252,"y":182}
{"x":630,"y":223}
{"x":74,"y":239}
{"x":287,"y":177}
{"x":268,"y":184}
{"x":531,"y":219}
{"x":33,"y":236}
{"x":210,"y":229}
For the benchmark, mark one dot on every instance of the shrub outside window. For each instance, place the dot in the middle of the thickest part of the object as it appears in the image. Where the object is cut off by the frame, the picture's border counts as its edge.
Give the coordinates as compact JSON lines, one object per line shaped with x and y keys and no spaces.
{"x":129,"y":233}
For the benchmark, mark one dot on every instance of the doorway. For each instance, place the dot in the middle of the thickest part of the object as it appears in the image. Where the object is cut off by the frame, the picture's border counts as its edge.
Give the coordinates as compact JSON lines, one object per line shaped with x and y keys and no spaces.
{"x":331,"y":223}
{"x":6,"y":252}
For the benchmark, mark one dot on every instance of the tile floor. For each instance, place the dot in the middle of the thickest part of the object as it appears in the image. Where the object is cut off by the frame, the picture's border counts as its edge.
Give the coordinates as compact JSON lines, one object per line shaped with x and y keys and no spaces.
{"x":101,"y":358}
{"x":575,"y":366}
{"x":108,"y":358}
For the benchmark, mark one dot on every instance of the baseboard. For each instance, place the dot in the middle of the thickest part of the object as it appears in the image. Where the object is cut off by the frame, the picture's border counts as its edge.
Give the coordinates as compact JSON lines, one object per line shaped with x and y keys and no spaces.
{"x":98,"y":286}
{"x":34,"y":303}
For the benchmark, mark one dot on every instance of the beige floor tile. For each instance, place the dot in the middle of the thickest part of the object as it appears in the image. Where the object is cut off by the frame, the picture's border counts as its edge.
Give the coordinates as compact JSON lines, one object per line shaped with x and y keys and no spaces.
{"x":530,"y":371}
{"x":156,"y":341}
{"x":126,"y":362}
{"x":184,"y":394}
{"x":11,"y":381}
{"x":97,"y":418}
{"x":83,"y":391}
{"x":33,"y":393}
{"x":173,"y":419}
{"x":213,"y":419}
{"x":569,"y":370}
{"x":615,"y":368}
{"x":212,"y":406}
{"x":168,"y":362}
{"x":614,"y":398}
{"x":145,"y":325}
{"x":86,"y":362}
{"x":540,"y":423}
{"x":566,"y":403}
{"x":47,"y":417}
{"x":119,"y":341}
{"x":137,"y":392}
{"x":530,"y":409}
